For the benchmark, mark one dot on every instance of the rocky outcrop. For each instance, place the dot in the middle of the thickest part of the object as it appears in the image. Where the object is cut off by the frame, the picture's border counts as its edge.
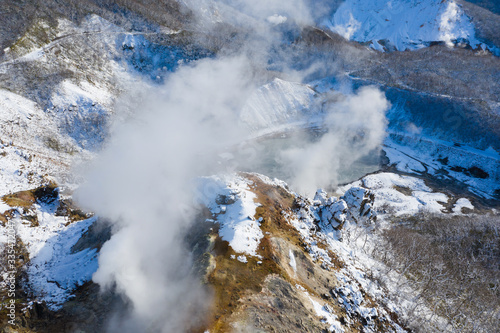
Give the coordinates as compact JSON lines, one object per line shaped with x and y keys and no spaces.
{"x":355,"y":206}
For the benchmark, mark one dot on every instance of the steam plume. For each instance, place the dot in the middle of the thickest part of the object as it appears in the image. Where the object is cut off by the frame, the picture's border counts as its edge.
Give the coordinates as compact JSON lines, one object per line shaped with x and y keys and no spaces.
{"x":143,"y":178}
{"x":356,"y":126}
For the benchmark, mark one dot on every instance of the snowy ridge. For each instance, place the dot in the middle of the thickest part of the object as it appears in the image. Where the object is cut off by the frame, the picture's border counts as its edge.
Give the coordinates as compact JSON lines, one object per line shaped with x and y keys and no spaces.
{"x":402,"y":25}
{"x":39,"y":141}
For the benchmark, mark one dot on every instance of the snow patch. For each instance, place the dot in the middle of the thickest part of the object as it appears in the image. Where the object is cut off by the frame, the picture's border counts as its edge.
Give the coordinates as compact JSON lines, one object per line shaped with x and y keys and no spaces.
{"x":54,"y":269}
{"x":292,"y":262}
{"x":327,"y":315}
{"x":233,"y":203}
{"x":401,"y":195}
{"x":462,"y":203}
{"x":24,"y":153}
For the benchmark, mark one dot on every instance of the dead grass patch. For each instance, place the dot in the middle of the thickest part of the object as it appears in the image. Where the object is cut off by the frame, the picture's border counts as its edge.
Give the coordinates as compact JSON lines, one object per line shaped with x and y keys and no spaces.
{"x":24,"y":199}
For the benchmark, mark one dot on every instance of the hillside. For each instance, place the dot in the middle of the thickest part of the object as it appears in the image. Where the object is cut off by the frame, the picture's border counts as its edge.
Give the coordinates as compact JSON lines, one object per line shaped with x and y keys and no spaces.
{"x":242,"y":166}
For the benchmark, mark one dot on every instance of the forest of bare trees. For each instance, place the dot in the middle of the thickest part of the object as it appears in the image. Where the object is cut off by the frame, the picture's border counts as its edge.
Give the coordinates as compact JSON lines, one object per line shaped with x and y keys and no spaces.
{"x":454,"y":265}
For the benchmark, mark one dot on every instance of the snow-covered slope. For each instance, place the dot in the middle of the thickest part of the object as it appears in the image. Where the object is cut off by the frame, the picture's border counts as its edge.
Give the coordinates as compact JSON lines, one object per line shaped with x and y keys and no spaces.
{"x":33,"y":150}
{"x":55,"y":270}
{"x":402,"y":24}
{"x":46,"y":238}
{"x":477,"y":170}
{"x":277,"y":104}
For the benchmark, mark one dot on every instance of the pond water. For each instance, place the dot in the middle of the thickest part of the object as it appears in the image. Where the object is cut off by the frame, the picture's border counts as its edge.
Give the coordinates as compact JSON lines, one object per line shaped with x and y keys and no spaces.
{"x":265,"y":155}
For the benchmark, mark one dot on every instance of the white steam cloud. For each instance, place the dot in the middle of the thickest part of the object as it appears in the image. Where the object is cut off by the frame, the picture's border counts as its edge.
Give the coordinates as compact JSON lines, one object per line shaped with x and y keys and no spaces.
{"x":247,"y":13}
{"x":142,"y":181}
{"x":356,"y":127}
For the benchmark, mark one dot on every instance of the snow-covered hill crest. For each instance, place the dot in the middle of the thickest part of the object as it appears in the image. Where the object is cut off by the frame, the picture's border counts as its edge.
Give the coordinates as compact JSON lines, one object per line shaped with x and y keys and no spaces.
{"x":402,"y":25}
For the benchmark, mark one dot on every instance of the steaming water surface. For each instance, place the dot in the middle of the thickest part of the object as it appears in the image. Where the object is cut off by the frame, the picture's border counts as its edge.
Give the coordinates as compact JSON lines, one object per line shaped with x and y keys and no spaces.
{"x":264,"y":155}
